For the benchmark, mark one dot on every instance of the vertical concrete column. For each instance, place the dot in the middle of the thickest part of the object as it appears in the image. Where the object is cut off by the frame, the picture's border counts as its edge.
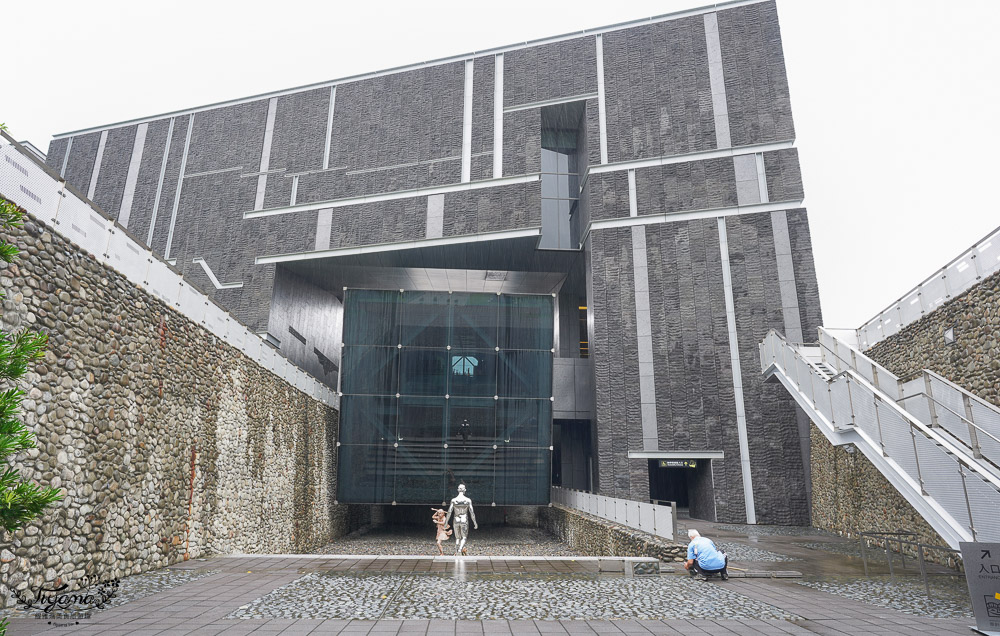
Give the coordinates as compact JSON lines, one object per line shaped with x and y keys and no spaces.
{"x":734,"y":357}
{"x":717,"y":81}
{"x":265,"y":153}
{"x":180,"y":184}
{"x":97,"y":165}
{"x":125,"y":210}
{"x":159,"y":183}
{"x":498,"y":117}
{"x":467,"y":125}
{"x":602,"y":111}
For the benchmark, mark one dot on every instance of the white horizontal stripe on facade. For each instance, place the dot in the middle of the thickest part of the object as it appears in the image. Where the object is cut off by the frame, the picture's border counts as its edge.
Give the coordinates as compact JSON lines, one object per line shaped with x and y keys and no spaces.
{"x":673,"y":217}
{"x":676,"y":455}
{"x":550,"y":102}
{"x":393,"y":196}
{"x":392,"y":247}
{"x":666,"y":160}
{"x":667,"y":17}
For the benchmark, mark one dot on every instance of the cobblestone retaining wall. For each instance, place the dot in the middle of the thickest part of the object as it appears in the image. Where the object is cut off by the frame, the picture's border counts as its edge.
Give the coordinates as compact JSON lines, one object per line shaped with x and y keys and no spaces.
{"x":850,"y":495}
{"x":972,"y":361}
{"x":167,"y":442}
{"x":592,"y":536}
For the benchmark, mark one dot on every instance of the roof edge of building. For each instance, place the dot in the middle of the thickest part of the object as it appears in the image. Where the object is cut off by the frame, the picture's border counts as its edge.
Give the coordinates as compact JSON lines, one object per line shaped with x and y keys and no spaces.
{"x":666,"y":17}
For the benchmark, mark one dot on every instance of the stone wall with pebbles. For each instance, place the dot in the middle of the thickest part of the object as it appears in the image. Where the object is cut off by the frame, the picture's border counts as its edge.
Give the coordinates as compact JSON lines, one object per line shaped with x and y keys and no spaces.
{"x":850,"y":495}
{"x":972,"y":361}
{"x":592,"y":536}
{"x":166,"y":442}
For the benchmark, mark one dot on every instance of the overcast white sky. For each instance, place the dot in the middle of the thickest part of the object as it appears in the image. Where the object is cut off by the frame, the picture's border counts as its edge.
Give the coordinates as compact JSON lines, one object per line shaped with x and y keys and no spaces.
{"x":895,"y":101}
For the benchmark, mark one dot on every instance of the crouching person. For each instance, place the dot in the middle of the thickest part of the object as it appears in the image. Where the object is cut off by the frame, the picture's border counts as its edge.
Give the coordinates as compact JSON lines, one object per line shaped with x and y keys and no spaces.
{"x":704,"y":558}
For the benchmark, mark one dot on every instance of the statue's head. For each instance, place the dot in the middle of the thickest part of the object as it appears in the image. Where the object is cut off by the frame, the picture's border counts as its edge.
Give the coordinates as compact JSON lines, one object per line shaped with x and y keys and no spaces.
{"x":461,"y":488}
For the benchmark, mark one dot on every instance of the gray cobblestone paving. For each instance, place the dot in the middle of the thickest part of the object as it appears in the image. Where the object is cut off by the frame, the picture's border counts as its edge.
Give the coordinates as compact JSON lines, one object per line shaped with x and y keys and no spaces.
{"x":949,"y":595}
{"x":739,"y":552}
{"x":498,"y":596}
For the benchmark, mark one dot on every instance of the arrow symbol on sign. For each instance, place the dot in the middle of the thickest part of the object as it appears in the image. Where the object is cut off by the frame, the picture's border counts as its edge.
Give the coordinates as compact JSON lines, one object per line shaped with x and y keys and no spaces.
{"x":986,"y":554}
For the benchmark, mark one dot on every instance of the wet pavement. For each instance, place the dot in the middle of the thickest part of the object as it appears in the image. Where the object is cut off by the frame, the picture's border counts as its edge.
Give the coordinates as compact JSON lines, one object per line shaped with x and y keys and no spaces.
{"x":487,"y":540}
{"x":528,"y":592}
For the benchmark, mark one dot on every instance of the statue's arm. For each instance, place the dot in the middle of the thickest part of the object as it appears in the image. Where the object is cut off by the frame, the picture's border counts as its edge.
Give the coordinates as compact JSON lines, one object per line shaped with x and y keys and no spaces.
{"x":448,"y":516}
{"x":472,"y":513}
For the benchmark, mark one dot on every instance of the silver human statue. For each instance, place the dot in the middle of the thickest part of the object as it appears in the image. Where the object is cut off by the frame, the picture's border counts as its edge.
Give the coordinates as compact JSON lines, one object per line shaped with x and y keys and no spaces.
{"x":461,"y":506}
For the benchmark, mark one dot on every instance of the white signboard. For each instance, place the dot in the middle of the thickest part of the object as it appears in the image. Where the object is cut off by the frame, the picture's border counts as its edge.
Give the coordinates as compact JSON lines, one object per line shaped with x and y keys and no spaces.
{"x":982,"y":571}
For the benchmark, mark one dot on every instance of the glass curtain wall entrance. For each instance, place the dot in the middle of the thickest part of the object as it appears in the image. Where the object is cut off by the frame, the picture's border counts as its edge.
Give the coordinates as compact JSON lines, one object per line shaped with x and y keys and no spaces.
{"x":445,"y":388}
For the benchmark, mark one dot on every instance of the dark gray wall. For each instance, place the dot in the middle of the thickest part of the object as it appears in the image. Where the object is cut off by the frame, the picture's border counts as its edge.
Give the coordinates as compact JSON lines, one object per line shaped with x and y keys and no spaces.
{"x":403,"y":130}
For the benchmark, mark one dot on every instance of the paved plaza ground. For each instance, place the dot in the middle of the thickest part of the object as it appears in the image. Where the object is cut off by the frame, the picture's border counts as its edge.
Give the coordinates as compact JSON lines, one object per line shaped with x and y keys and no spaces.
{"x":519,"y":581}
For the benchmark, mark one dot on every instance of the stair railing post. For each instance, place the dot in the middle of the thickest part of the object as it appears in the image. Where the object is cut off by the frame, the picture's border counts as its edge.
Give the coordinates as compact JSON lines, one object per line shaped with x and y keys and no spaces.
{"x":930,"y":400}
{"x":973,"y":438}
{"x":850,"y":399}
{"x":864,"y":553}
{"x":878,"y":422}
{"x":916,"y":458}
{"x":923,"y":569}
{"x":888,"y":556}
{"x":968,"y":506}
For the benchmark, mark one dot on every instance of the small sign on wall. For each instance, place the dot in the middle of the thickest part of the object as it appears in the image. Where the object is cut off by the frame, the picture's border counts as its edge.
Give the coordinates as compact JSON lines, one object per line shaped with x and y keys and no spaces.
{"x":678,"y":463}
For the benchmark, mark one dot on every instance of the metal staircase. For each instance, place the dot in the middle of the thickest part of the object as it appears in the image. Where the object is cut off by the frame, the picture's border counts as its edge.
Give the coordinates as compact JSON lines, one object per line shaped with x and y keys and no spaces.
{"x":937,"y":444}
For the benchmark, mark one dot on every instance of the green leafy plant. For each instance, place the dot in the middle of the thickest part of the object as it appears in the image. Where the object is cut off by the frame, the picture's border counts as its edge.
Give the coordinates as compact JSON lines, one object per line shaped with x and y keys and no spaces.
{"x":21,"y":500}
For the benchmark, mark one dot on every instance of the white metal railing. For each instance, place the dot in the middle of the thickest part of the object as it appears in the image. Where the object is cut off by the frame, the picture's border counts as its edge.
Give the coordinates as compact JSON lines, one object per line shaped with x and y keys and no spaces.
{"x":950,"y":487}
{"x":656,"y":520}
{"x":37,"y":189}
{"x":975,"y":264}
{"x":929,"y":397}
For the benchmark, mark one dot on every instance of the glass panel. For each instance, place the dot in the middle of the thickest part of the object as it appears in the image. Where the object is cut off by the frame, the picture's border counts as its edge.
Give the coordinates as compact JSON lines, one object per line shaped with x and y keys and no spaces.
{"x":423,"y":371}
{"x":525,"y":374}
{"x":472,"y":466}
{"x":371,"y":317}
{"x":526,"y":322}
{"x":372,"y":419}
{"x":472,"y":373}
{"x":365,"y":473}
{"x":475,"y":319}
{"x":420,"y":474}
{"x":522,"y":476}
{"x":425,"y":318}
{"x":421,"y":421}
{"x":525,"y":422}
{"x":370,"y":370}
{"x":471,"y":422}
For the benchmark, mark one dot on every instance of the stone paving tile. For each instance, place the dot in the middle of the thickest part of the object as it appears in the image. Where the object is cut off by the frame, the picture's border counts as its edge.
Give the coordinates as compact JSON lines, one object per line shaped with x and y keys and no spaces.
{"x":494,"y":541}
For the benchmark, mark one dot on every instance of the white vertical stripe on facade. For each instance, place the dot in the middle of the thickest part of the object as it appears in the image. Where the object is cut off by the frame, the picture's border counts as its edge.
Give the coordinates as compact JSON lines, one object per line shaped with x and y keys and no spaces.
{"x":633,"y":209}
{"x":180,"y":184}
{"x":435,"y":216}
{"x":265,"y":153}
{"x":761,"y":177}
{"x":97,"y":165}
{"x":125,"y":210}
{"x":734,"y":357}
{"x":159,"y":183}
{"x":69,"y":146}
{"x":717,"y":81}
{"x":602,"y":113}
{"x":295,"y":190}
{"x":644,"y":339}
{"x":329,"y":127}
{"x":467,"y":125}
{"x":324,"y":225}
{"x":498,"y":117}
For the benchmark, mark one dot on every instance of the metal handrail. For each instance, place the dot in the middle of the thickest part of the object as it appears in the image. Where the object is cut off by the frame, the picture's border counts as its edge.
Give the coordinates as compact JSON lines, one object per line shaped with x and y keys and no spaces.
{"x":878,"y":318}
{"x":774,"y":351}
{"x":952,"y":411}
{"x":887,"y":538}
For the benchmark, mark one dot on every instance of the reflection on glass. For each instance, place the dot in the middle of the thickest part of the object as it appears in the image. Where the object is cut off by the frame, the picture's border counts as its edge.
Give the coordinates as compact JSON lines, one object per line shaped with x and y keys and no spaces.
{"x":421,"y":415}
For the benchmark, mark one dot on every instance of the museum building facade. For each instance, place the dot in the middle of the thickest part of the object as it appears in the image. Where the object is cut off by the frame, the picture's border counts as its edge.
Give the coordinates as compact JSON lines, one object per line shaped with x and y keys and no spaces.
{"x":544,"y":263}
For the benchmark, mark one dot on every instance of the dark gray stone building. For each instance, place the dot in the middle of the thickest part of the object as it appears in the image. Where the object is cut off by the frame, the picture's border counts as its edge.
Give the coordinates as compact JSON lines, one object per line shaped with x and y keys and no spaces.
{"x":642,"y":177}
